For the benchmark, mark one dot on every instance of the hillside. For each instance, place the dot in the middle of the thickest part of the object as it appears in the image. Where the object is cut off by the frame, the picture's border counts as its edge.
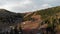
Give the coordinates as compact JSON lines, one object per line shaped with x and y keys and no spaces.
{"x":50,"y":17}
{"x":31,"y":20}
{"x":8,"y":18}
{"x":45,"y":12}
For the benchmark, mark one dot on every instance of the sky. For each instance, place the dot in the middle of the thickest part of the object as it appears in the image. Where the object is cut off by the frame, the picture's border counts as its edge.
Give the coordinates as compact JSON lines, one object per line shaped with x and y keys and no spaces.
{"x":22,"y":6}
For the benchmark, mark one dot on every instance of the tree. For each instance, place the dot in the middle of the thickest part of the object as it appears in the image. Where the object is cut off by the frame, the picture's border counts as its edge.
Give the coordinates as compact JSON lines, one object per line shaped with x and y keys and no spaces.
{"x":12,"y":31}
{"x":16,"y":30}
{"x":21,"y":31}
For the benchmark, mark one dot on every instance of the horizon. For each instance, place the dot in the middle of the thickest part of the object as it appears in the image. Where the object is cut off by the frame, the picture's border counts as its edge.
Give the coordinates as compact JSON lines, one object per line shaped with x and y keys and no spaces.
{"x":23,"y":6}
{"x":29,"y":11}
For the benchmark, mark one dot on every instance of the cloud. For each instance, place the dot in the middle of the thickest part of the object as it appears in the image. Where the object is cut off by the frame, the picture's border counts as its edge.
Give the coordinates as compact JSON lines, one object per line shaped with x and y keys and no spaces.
{"x":44,"y":6}
{"x":27,"y":5}
{"x":14,"y":6}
